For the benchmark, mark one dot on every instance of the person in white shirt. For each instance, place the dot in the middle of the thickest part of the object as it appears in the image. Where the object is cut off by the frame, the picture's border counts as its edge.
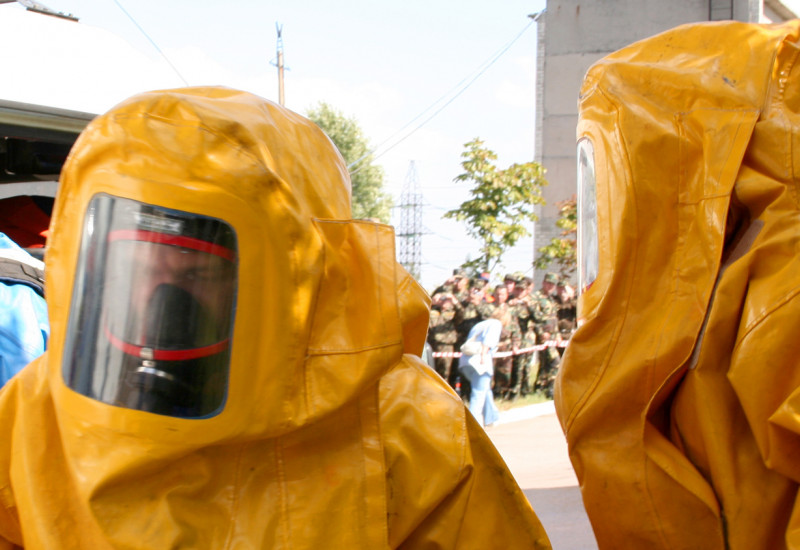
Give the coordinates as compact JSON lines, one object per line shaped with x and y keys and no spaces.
{"x":478,"y":369}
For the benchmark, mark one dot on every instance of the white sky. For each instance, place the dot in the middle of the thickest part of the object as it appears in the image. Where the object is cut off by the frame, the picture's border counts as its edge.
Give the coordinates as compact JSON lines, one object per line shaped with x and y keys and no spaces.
{"x":382,"y":62}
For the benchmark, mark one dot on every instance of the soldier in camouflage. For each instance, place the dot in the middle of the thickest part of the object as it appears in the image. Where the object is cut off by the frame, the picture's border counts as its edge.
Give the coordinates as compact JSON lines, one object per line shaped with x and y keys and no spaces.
{"x":510,"y":338}
{"x":522,"y":310}
{"x":545,"y":325}
{"x":461,"y":290}
{"x":474,"y":310}
{"x":510,"y":281}
{"x":446,"y":314}
{"x":458,"y":285}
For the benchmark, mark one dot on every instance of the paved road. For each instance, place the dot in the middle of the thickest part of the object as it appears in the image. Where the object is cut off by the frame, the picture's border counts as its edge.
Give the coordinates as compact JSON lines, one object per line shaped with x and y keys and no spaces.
{"x":533,"y":445}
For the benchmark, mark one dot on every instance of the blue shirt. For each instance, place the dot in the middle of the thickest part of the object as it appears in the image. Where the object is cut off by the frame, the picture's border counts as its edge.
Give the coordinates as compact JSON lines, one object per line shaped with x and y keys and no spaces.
{"x":487,"y":333}
{"x":24,"y":328}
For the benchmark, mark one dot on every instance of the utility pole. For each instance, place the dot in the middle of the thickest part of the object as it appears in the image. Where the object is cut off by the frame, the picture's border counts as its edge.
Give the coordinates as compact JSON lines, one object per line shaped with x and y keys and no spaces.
{"x":281,"y":98}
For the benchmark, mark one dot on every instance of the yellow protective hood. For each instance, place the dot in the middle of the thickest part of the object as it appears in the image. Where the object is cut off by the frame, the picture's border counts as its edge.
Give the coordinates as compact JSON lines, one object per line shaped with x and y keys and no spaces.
{"x":679,"y":393}
{"x":308,"y":279}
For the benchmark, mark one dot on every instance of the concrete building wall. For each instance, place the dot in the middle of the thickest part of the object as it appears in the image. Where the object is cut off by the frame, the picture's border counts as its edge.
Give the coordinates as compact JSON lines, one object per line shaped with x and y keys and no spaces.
{"x":573,"y":34}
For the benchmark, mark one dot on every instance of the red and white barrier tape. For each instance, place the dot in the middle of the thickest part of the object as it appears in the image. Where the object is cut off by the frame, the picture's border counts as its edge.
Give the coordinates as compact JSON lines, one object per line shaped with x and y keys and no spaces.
{"x":521,"y":351}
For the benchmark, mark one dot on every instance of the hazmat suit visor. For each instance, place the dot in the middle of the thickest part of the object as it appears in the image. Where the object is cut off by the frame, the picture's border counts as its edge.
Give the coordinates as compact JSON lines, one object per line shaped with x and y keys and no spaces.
{"x":152,"y":312}
{"x":588,"y":260}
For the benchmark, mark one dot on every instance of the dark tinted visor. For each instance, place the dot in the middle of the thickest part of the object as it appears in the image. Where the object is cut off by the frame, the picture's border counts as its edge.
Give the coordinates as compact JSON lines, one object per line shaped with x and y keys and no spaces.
{"x":153,"y":307}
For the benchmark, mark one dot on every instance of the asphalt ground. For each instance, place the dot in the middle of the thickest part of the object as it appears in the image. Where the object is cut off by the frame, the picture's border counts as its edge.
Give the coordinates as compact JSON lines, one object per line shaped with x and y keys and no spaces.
{"x":532,"y":444}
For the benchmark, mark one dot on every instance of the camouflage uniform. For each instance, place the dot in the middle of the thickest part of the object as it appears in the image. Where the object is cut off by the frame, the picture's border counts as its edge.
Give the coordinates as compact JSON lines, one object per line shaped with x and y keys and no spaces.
{"x":521,"y":369}
{"x":442,"y":336}
{"x":545,"y":323}
{"x":510,"y":339}
{"x":567,"y":319}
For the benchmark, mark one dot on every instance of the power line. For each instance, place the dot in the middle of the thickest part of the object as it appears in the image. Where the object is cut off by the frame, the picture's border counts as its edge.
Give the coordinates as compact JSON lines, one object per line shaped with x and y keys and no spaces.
{"x":469,"y":81}
{"x":162,"y":54}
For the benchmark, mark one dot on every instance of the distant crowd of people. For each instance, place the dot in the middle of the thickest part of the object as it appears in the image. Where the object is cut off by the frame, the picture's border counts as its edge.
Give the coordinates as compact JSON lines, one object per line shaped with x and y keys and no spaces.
{"x":536,"y":326}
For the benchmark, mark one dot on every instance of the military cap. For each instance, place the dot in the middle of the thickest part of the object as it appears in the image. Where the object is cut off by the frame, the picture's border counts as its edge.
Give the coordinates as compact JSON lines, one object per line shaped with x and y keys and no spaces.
{"x":551,"y":278}
{"x":481,"y":281}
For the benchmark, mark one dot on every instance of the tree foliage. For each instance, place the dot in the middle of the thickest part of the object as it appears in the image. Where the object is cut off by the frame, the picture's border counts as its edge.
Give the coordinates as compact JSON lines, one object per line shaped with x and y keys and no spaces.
{"x":562,"y":250}
{"x":501,"y":210}
{"x":369,"y":199}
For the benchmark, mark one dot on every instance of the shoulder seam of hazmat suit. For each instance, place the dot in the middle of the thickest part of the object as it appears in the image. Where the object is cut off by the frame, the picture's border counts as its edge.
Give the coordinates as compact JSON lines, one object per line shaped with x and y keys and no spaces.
{"x":323,"y":440}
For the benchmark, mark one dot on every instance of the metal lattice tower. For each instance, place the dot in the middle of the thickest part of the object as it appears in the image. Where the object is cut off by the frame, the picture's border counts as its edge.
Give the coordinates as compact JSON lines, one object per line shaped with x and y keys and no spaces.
{"x":409,"y":233}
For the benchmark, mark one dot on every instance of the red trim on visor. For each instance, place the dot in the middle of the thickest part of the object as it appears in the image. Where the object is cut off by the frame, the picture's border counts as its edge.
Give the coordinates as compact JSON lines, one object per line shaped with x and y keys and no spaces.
{"x":174,"y":240}
{"x":166,"y":354}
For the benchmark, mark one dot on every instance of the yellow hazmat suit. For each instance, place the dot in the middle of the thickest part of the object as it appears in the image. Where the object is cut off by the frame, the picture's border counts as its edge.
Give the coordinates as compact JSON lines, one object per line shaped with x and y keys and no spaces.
{"x":680,"y":392}
{"x":330,"y":433}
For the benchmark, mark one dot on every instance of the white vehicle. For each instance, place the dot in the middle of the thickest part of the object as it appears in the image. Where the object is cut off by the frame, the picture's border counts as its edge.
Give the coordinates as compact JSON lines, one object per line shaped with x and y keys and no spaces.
{"x":34,"y":143}
{"x":59,"y":73}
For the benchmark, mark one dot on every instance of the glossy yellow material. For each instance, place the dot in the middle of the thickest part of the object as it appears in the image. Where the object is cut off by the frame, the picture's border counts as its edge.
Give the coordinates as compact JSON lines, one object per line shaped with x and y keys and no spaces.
{"x":331,"y":436}
{"x":680,"y":393}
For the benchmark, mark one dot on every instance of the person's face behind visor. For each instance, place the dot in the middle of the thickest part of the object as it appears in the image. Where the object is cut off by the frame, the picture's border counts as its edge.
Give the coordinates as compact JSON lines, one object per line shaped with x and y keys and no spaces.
{"x":150,"y":270}
{"x":153,"y":307}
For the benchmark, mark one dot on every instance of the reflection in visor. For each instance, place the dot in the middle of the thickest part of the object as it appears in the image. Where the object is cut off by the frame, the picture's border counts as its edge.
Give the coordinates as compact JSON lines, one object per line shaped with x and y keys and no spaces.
{"x":587,"y":216}
{"x":151,"y":322}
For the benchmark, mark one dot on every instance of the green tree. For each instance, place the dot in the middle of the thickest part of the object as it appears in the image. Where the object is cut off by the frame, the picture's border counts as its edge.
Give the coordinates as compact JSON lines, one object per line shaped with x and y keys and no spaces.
{"x":501,"y":209}
{"x":369,"y":199}
{"x":562,"y":250}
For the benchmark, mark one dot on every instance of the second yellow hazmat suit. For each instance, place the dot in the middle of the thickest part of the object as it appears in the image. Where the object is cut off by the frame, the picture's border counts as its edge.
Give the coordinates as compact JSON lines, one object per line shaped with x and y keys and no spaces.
{"x":279,"y":407}
{"x":680,"y":392}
